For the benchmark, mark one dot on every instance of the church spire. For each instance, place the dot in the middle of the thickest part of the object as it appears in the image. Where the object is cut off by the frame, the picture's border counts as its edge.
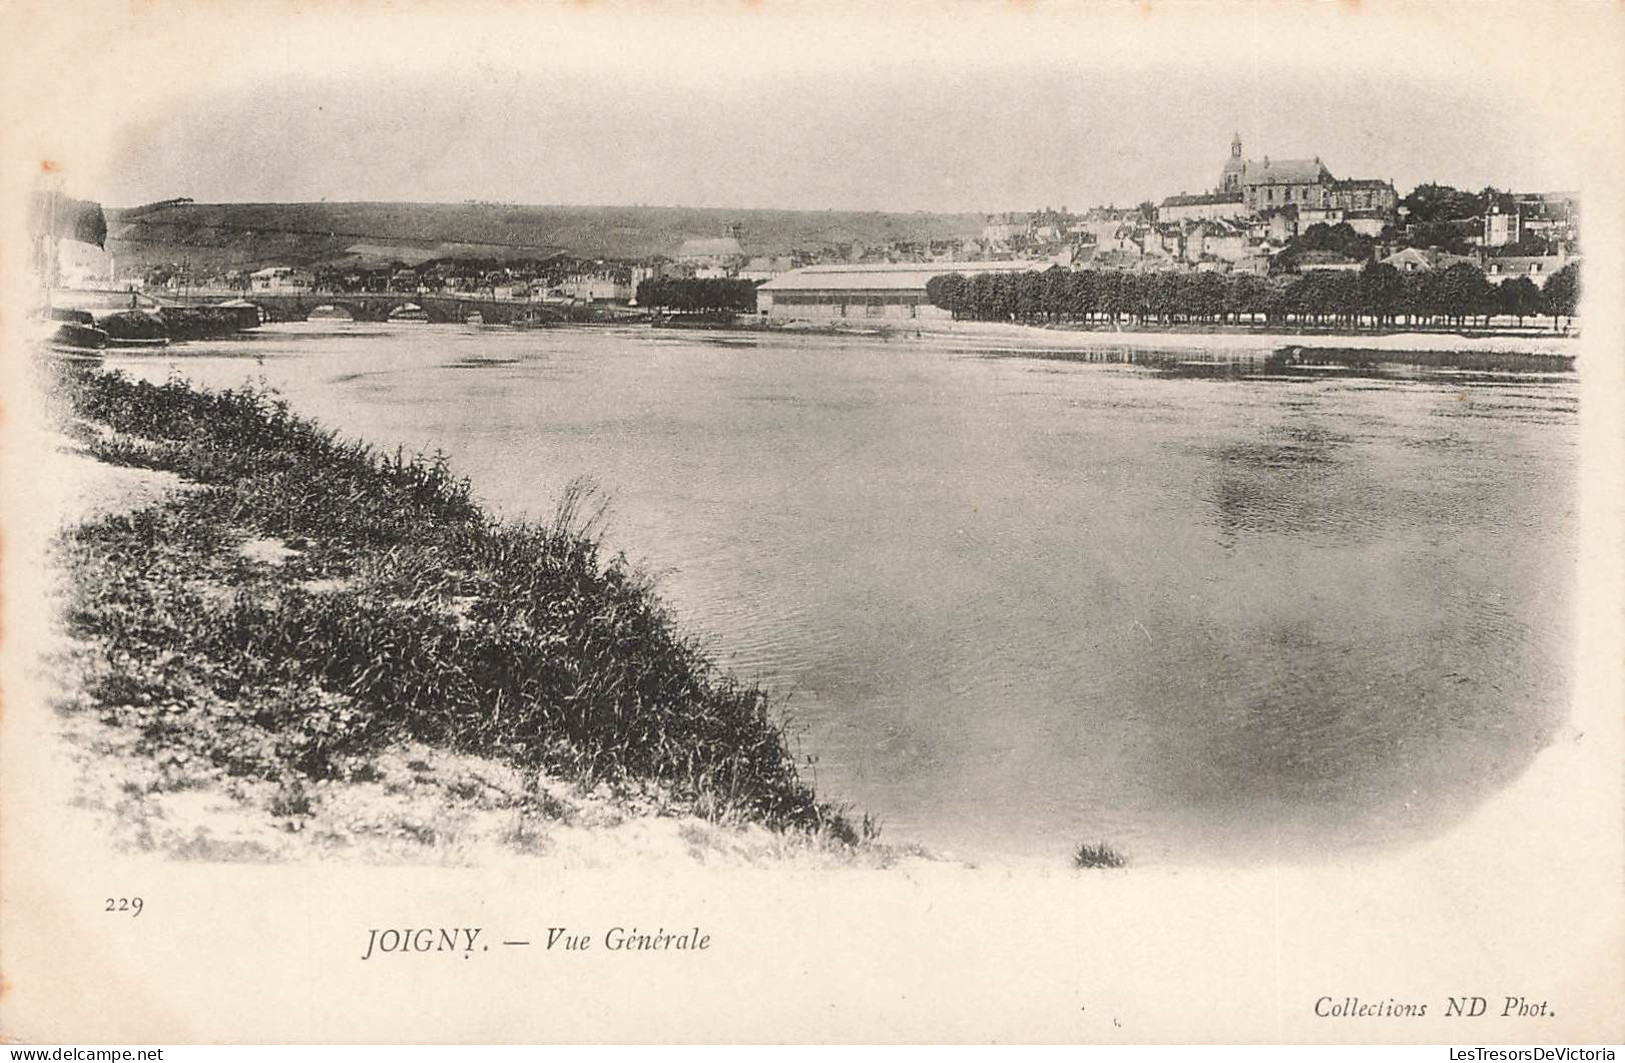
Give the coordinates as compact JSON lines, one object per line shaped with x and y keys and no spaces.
{"x":1235,"y":146}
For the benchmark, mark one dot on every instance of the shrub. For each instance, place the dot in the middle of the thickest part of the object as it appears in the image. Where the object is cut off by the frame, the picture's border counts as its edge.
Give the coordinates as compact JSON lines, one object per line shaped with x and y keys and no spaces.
{"x":1097,"y":854}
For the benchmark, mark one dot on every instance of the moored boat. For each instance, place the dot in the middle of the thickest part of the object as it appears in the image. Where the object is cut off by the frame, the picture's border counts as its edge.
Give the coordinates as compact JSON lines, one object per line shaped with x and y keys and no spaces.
{"x":409,"y":312}
{"x":529,"y":319}
{"x":72,"y":338}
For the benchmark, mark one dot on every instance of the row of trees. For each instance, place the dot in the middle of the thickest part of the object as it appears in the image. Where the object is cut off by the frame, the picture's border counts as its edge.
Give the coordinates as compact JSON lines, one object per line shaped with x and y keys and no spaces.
{"x":686,"y":295}
{"x":1377,"y":295}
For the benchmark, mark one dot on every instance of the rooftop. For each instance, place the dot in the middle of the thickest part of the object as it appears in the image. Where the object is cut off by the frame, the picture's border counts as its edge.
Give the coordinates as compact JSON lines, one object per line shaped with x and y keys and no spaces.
{"x":1527,"y":263}
{"x":1202,"y":199}
{"x":1428,"y":258}
{"x":1285,"y":172}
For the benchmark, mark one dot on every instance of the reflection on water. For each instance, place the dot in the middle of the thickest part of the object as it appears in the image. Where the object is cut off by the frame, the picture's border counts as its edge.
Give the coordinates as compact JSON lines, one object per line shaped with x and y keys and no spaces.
{"x":1307,"y":363}
{"x":1207,"y":609}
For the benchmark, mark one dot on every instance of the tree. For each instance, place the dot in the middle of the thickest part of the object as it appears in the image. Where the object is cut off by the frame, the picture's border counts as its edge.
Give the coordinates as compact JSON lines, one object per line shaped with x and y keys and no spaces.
{"x":1430,"y":203}
{"x":1343,"y":296}
{"x":1162,"y":294}
{"x":1276,"y":303}
{"x":1004,"y":296}
{"x":1205,"y":296}
{"x":980,"y":296}
{"x":1413,"y":299}
{"x":1302,"y":297}
{"x":1382,"y":291}
{"x":1518,"y":298}
{"x":1117,"y":294}
{"x":948,"y":291}
{"x":1457,"y":293}
{"x":1446,"y":236}
{"x":1562,"y":294}
{"x":1247,"y":293}
{"x":1028,"y":295}
{"x":1055,"y":301}
{"x":1083,"y":294}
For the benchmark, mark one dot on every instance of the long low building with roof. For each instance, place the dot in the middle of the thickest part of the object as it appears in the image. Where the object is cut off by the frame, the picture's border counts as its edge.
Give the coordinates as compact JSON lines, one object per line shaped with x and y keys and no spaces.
{"x":879,"y":290}
{"x":1205,"y":207}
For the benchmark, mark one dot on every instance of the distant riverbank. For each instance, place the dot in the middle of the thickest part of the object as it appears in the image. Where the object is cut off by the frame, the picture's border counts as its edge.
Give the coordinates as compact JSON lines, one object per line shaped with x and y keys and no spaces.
{"x":1239,"y":341}
{"x":1245,"y":339}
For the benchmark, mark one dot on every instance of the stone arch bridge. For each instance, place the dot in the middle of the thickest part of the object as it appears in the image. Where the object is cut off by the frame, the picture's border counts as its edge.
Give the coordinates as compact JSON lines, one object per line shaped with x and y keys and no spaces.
{"x":377,"y":306}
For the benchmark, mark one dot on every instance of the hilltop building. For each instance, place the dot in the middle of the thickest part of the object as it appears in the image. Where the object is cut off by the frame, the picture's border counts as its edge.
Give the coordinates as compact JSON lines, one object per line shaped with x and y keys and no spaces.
{"x":1552,"y":216}
{"x":1286,"y":196}
{"x":1368,"y":205}
{"x":1285,"y":183}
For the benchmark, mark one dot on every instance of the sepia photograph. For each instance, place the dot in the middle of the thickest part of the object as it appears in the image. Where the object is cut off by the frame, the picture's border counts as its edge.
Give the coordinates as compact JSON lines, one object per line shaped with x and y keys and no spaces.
{"x":771,"y":522}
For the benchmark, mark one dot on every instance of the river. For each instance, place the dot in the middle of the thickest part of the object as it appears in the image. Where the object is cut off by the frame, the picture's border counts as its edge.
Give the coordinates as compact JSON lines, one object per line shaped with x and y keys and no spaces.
{"x":1208,"y":612}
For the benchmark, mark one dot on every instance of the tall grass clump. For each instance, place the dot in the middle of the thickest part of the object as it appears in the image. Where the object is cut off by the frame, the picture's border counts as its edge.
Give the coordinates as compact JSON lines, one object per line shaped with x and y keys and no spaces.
{"x":403,"y":610}
{"x":1097,"y":855}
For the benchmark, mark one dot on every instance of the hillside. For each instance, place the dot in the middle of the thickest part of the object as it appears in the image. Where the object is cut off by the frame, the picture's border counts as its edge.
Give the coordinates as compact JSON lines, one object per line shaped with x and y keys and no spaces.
{"x":237,"y":235}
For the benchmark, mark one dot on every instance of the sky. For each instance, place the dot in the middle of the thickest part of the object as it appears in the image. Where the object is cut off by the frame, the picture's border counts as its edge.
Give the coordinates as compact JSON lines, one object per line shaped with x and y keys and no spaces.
{"x":799,"y":111}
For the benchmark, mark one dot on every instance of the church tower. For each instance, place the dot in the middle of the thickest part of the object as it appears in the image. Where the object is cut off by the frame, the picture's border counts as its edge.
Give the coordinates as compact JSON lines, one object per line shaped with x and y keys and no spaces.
{"x":1230,"y":176}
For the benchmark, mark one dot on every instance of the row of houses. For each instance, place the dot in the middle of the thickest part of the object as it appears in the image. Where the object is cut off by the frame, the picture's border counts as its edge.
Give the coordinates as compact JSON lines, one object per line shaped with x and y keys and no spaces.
{"x":1497,"y":269}
{"x":585,"y":284}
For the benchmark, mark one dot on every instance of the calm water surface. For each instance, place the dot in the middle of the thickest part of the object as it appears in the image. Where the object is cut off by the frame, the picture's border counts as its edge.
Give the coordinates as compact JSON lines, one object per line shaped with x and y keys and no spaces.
{"x":1016,"y":602}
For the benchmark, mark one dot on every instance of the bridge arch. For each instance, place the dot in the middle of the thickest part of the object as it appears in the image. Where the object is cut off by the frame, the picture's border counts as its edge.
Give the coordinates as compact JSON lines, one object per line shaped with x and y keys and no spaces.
{"x":377,"y":306}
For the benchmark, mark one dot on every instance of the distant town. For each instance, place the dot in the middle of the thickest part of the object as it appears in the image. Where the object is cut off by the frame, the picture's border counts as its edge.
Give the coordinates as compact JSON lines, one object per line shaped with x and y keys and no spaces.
{"x":1274,"y":221}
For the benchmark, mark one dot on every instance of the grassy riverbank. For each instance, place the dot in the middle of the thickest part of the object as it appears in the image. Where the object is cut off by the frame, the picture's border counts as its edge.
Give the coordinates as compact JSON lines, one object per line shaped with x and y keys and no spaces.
{"x":312,"y":609}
